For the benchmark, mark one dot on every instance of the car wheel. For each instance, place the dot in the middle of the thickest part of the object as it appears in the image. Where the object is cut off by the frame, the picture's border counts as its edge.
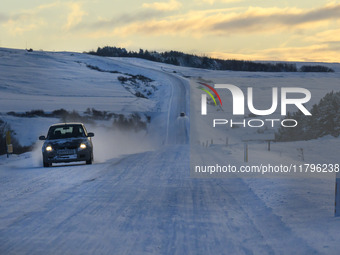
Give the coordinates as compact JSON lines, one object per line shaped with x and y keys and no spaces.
{"x":89,"y":162}
{"x":47,"y":164}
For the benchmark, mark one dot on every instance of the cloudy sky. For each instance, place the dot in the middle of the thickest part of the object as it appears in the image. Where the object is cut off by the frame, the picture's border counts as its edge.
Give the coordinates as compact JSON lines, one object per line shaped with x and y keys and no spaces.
{"x":294,"y":30}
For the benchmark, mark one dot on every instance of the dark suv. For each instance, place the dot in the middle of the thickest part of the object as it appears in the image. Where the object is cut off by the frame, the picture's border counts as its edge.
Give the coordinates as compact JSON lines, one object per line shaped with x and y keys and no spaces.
{"x":67,"y":142}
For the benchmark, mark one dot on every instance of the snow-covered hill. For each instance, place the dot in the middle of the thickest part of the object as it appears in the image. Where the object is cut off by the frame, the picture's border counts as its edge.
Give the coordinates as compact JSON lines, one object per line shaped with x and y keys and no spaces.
{"x":138,"y":197}
{"x":52,"y":81}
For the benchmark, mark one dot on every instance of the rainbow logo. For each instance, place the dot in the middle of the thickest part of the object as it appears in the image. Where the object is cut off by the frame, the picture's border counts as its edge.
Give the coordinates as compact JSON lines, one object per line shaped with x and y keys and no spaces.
{"x":209,"y":93}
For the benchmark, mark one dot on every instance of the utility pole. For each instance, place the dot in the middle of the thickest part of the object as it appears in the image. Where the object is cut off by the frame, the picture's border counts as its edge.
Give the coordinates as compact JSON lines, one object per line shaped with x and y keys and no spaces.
{"x":246,"y":152}
{"x":337,"y":195}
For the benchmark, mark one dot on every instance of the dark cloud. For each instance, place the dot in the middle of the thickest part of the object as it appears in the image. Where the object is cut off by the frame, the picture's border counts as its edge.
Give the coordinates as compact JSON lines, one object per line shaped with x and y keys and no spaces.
{"x":14,"y":17}
{"x":3,"y":17}
{"x":334,"y":45}
{"x":253,"y":20}
{"x":122,"y":19}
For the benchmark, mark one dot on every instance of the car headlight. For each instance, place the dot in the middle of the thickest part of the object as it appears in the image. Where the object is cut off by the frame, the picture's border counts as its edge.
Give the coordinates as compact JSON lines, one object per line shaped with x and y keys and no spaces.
{"x":82,"y":146}
{"x":49,"y":148}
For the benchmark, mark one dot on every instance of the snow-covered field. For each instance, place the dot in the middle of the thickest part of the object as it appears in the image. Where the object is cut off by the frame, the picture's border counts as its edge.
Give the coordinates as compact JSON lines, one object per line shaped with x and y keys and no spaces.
{"x":138,"y":197}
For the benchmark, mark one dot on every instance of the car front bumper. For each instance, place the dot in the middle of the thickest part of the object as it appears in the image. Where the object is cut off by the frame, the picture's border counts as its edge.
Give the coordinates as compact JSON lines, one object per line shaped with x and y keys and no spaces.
{"x":69,"y":156}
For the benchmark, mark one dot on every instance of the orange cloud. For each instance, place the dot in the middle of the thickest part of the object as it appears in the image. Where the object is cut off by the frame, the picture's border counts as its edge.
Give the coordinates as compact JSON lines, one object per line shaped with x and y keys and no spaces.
{"x":332,"y":35}
{"x":164,"y":6}
{"x":42,"y":16}
{"x":312,"y":53}
{"x":75,"y":16}
{"x":211,"y":2}
{"x":253,"y":20}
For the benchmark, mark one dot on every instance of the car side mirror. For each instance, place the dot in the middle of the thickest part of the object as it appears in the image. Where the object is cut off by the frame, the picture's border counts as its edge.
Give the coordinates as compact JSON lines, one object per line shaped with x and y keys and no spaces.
{"x":90,"y":134}
{"x":42,"y":138}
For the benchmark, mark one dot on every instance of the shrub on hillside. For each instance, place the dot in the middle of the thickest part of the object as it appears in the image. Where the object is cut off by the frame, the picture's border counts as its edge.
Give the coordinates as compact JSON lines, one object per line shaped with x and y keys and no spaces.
{"x":17,"y":148}
{"x":325,"y":120}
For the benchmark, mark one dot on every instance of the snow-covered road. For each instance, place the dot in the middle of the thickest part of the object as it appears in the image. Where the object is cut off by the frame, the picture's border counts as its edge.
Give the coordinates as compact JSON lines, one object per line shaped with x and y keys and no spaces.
{"x":147,"y":203}
{"x":144,"y":203}
{"x":114,"y":207}
{"x":141,"y":204}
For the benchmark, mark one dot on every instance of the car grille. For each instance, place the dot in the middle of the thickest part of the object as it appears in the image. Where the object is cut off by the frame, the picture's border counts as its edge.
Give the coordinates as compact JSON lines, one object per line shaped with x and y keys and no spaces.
{"x":67,"y":147}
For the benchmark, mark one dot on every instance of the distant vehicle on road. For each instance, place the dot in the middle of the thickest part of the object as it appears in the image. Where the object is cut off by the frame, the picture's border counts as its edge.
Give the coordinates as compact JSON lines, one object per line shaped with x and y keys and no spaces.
{"x":182,"y":114}
{"x":67,"y":142}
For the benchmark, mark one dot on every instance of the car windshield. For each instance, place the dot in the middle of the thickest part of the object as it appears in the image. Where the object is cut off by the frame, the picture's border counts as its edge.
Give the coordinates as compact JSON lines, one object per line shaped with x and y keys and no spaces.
{"x":66,"y":131}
